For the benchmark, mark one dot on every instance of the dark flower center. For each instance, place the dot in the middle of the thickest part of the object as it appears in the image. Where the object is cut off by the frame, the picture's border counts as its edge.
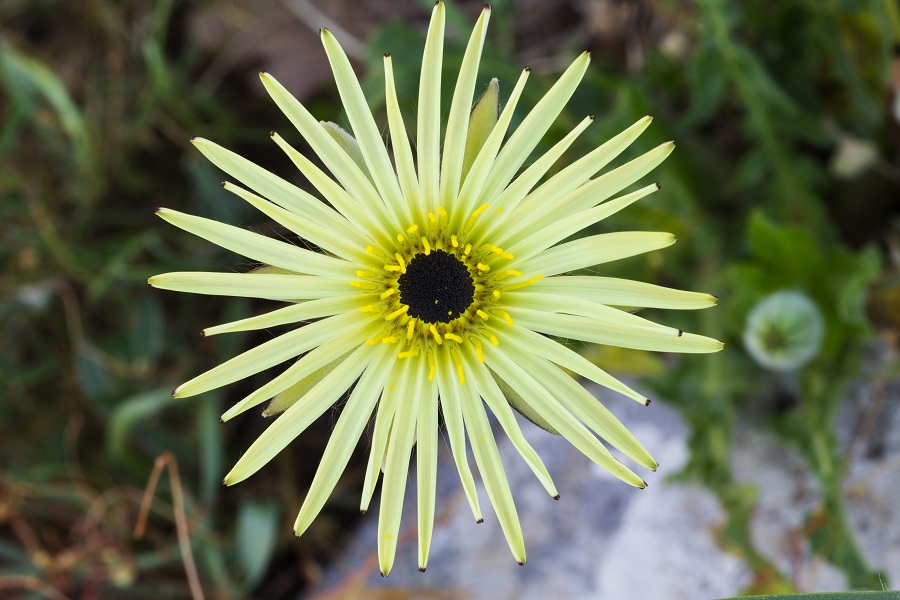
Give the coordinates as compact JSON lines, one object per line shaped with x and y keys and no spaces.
{"x":437,"y":287}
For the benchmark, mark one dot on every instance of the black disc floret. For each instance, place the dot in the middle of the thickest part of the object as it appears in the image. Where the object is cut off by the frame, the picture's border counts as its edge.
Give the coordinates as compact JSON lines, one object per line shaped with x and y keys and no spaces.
{"x":437,"y":287}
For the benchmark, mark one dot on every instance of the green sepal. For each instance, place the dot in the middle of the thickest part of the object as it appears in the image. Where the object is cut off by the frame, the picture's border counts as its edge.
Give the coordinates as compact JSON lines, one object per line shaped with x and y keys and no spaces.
{"x":482,"y":119}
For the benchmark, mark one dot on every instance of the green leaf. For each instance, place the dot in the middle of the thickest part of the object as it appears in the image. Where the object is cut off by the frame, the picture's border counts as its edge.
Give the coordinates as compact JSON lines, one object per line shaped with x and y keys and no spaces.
{"x":257,"y":533}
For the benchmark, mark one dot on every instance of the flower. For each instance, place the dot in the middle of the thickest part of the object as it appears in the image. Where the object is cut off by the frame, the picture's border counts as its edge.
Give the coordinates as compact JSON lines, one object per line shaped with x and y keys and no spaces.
{"x":438,"y":283}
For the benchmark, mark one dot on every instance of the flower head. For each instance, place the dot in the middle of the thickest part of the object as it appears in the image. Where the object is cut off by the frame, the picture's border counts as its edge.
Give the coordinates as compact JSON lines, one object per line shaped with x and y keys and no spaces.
{"x":440,"y":277}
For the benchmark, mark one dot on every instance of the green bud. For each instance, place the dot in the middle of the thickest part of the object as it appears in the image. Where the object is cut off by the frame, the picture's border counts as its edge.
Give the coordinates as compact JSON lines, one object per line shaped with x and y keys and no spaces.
{"x":784,"y":331}
{"x":482,"y":119}
{"x":348,"y":143}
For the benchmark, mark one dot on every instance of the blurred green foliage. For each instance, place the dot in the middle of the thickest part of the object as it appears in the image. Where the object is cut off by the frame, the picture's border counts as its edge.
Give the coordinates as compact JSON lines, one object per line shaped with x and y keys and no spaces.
{"x":766,"y":100}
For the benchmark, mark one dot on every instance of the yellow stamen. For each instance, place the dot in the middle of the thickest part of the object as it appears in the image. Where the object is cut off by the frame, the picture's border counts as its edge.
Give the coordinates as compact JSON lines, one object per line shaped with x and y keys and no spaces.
{"x":442,"y":212}
{"x":431,"y":369}
{"x":496,"y":294}
{"x":459,"y":369}
{"x":401,"y":261}
{"x":371,"y":342}
{"x":454,"y":242}
{"x":432,"y":218}
{"x":454,"y":337}
{"x":482,"y":314}
{"x":387,"y":293}
{"x":411,"y":230}
{"x":499,"y":251}
{"x":408,"y":353}
{"x":514,"y":273}
{"x":397,"y":313}
{"x":478,"y":351}
{"x":363,"y":285}
{"x":506,"y":316}
{"x":410,"y":328}
{"x":437,"y":336}
{"x":493,"y":339}
{"x":370,"y":250}
{"x":483,"y":267}
{"x":427,"y":246}
{"x":400,"y":237}
{"x":521,"y":284}
{"x":365,"y":274}
{"x":370,"y":308}
{"x":389,"y":339}
{"x":394,"y":268}
{"x":468,"y":249}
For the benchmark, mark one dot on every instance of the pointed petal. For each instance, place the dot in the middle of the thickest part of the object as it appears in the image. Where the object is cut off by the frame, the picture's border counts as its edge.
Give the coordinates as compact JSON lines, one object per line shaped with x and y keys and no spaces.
{"x":332,"y":155}
{"x":298,"y":417}
{"x":533,"y":127}
{"x":603,"y":332}
{"x":551,"y":350}
{"x":593,"y":250}
{"x":367,"y":134}
{"x":371,"y":221}
{"x":317,"y":358}
{"x":516,"y":191}
{"x":622,"y":292}
{"x":253,"y":285}
{"x":458,"y":120}
{"x":337,"y":241}
{"x":451,"y":409}
{"x":271,"y":353}
{"x":553,"y":303}
{"x":555,"y":232}
{"x":429,"y":116}
{"x":562,"y":420}
{"x":484,"y":162}
{"x":384,"y":419}
{"x":487,"y":457}
{"x":406,"y":168}
{"x":259,"y":247}
{"x":354,"y":417}
{"x":426,"y":466}
{"x":310,"y":309}
{"x":492,"y":395}
{"x":583,"y":405}
{"x":396,"y":463}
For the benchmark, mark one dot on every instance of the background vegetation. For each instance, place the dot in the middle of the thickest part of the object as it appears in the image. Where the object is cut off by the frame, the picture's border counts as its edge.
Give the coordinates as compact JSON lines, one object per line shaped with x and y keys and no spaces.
{"x":787,"y":176}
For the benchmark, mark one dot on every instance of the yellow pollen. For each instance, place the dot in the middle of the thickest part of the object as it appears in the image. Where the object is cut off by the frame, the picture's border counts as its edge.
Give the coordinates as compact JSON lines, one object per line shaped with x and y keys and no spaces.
{"x":493,"y":339}
{"x":369,"y":308}
{"x":363,"y":285}
{"x":401,"y":261}
{"x":478,"y":211}
{"x":468,"y":249}
{"x":478,"y":351}
{"x":371,"y":342}
{"x":410,"y":328}
{"x":400,"y":237}
{"x":454,"y":241}
{"x":387,"y":293}
{"x":500,"y":252}
{"x":482,"y":314}
{"x":364,"y":274}
{"x":397,"y":313}
{"x":442,"y":212}
{"x":496,"y":294}
{"x":411,"y":230}
{"x":370,"y":250}
{"x":389,"y":339}
{"x":514,"y":272}
{"x":459,"y":369}
{"x":521,"y":284}
{"x":394,"y":268}
{"x":408,"y":353}
{"x":483,"y":267}
{"x":432,"y":368}
{"x":432,"y":218}
{"x":427,"y":246}
{"x":437,"y":336}
{"x":506,"y":316}
{"x":454,"y":337}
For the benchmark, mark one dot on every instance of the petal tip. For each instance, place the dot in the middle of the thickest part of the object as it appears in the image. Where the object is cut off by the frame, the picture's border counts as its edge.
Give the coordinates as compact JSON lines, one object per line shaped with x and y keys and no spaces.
{"x":421,"y":569}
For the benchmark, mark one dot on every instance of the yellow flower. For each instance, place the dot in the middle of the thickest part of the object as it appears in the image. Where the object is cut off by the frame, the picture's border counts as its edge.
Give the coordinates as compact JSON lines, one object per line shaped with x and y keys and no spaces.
{"x":440,"y":276}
